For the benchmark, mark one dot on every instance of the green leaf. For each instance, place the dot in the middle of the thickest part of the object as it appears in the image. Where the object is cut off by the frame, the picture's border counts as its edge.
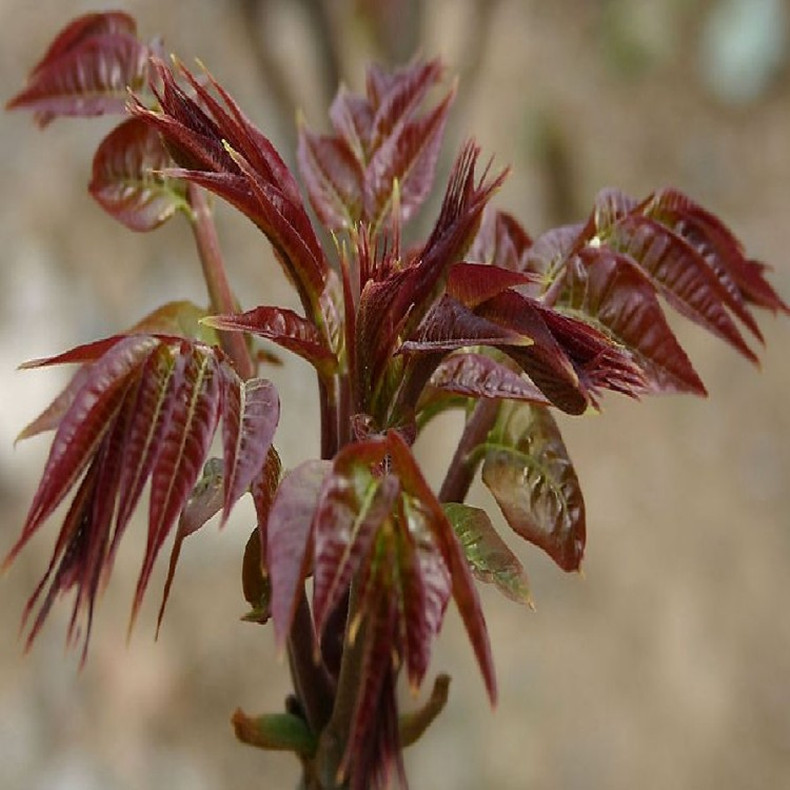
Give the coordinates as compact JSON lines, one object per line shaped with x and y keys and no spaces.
{"x":530,"y":474}
{"x":488,"y":555}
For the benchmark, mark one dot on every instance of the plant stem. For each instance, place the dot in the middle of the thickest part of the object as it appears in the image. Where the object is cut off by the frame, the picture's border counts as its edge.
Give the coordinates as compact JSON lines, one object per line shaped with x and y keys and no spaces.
{"x":461,"y":471}
{"x":220,"y":296}
{"x":310,"y":679}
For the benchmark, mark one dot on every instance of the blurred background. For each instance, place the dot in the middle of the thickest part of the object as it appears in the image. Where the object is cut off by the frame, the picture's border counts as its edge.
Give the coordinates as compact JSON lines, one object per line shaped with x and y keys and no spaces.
{"x":667,"y":664}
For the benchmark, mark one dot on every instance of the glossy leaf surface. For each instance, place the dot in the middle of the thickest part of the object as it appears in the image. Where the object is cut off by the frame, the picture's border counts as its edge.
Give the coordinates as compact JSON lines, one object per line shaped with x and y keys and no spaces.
{"x":87,"y":70}
{"x":127,"y":180}
{"x":530,"y":474}
{"x":488,"y":555}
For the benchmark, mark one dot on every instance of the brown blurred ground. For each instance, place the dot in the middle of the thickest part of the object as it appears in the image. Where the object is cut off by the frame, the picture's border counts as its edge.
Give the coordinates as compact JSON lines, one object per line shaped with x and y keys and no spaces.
{"x":667,"y":665}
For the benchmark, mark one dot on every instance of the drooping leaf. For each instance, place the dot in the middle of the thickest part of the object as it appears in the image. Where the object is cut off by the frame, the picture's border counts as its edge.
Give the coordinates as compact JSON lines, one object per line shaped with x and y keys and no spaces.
{"x":289,"y":539}
{"x":127,"y":177}
{"x":451,"y":325}
{"x":463,"y":589}
{"x":488,"y":555}
{"x":609,"y":290}
{"x":87,"y":70}
{"x":479,"y":376}
{"x":81,"y":429}
{"x":204,"y":503}
{"x":281,"y":326}
{"x":352,"y":506}
{"x":251,"y":411}
{"x":530,"y":474}
{"x":742,"y":278}
{"x":140,"y":407}
{"x":184,"y":447}
{"x":475,"y":283}
{"x":682,"y":274}
{"x":425,"y":587}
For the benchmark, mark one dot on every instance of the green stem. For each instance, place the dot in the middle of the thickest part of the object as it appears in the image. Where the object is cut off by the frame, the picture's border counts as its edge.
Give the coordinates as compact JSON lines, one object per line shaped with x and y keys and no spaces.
{"x":220,"y":296}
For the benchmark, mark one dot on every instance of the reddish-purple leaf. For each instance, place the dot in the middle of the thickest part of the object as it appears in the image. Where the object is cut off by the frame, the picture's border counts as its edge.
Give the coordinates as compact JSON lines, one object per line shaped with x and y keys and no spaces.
{"x":184,"y":447}
{"x":352,"y":506}
{"x":478,"y":376}
{"x":127,"y":177}
{"x":407,"y":156}
{"x":724,"y":253}
{"x":613,"y":293}
{"x":85,"y":27}
{"x":50,"y":418}
{"x":464,"y":592}
{"x":87,"y":75}
{"x":425,"y":587}
{"x":264,"y":489}
{"x":528,"y":471}
{"x":153,"y":402}
{"x":395,"y":96}
{"x":81,"y":429}
{"x":610,"y":206}
{"x":219,"y":149}
{"x":281,"y":326}
{"x":352,"y":119}
{"x":475,"y":283}
{"x":503,"y":242}
{"x":251,"y":411}
{"x":289,"y":539}
{"x":551,"y":251}
{"x":488,"y":555}
{"x":450,"y":325}
{"x":545,"y":361}
{"x":683,"y":275}
{"x":333,"y":177}
{"x":204,"y":503}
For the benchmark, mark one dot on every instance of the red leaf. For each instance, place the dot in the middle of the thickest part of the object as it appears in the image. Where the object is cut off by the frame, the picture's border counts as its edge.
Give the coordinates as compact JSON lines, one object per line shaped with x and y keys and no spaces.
{"x":127,"y":180}
{"x":528,"y":471}
{"x":450,"y":325}
{"x":742,"y":278}
{"x":251,"y":411}
{"x":89,"y":73}
{"x":464,"y":592}
{"x":281,"y":326}
{"x":85,"y":27}
{"x":264,"y":489}
{"x":81,"y":429}
{"x":333,"y":177}
{"x":204,"y":503}
{"x":683,"y":275}
{"x":220,"y":149}
{"x":478,"y":376}
{"x":475,"y":283}
{"x":407,"y":155}
{"x":610,"y":290}
{"x":352,"y":506}
{"x":153,"y":401}
{"x":289,"y":539}
{"x":545,"y":361}
{"x":503,"y":242}
{"x":184,"y":447}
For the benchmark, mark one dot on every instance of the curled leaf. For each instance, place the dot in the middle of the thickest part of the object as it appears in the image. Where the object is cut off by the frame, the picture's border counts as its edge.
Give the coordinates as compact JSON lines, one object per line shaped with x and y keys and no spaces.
{"x":127,"y":177}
